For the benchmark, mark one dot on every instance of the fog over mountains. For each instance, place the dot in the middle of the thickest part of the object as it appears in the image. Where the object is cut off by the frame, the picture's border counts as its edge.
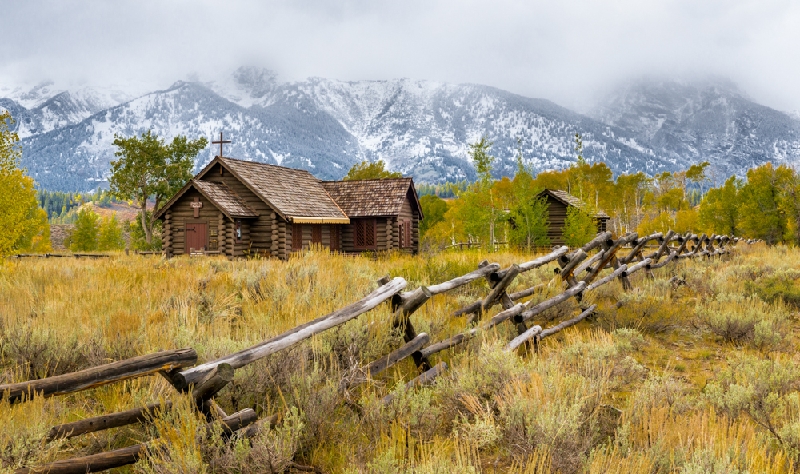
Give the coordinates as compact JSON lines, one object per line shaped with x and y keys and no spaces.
{"x":421,"y":128}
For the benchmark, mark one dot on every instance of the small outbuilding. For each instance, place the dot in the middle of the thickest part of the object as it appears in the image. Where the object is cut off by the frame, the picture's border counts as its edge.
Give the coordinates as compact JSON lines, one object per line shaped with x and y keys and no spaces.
{"x":239,"y":208}
{"x":558,"y":202}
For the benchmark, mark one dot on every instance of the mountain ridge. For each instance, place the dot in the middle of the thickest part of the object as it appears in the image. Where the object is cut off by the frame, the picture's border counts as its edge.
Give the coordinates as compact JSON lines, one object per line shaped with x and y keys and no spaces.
{"x":421,"y":128}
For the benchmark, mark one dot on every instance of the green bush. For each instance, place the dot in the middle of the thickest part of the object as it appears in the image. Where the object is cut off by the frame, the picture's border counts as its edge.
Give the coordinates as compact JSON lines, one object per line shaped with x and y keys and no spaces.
{"x":780,"y":286}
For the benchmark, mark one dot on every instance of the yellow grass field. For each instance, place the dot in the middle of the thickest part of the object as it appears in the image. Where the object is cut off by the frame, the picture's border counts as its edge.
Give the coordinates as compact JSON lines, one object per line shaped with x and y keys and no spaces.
{"x":700,"y":377}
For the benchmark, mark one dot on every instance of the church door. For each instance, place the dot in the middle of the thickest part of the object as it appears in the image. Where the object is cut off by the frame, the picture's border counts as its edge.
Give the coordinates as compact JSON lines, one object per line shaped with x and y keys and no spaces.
{"x":196,"y":237}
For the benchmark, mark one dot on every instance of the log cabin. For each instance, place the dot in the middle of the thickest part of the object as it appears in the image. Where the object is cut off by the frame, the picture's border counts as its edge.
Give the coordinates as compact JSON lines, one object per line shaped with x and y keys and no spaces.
{"x":242,"y":208}
{"x":558,"y":202}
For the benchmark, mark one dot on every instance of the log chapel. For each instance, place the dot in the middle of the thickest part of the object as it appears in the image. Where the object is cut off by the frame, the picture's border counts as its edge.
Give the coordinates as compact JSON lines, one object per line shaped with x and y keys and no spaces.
{"x":243,"y":208}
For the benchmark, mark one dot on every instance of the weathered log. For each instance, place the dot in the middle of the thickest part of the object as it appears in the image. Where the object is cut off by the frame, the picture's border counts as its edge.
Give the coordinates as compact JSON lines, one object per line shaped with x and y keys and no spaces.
{"x":635,"y":268}
{"x":600,"y":240}
{"x":663,"y":248}
{"x":552,"y":256}
{"x":640,"y":243}
{"x":504,"y":315}
{"x":104,"y":422}
{"x":526,"y":292}
{"x":124,"y":456}
{"x":549,"y":303}
{"x":298,"y":334}
{"x":238,"y":420}
{"x":93,"y":463}
{"x":500,"y":287}
{"x":577,"y":257}
{"x":393,"y":358}
{"x":653,"y":266}
{"x":616,"y":273}
{"x":570,"y":322}
{"x":589,"y":261}
{"x":609,"y":255}
{"x":426,"y":378}
{"x":212,"y":383}
{"x":413,"y":300}
{"x":525,"y":336}
{"x":259,"y":426}
{"x":448,"y":343}
{"x":100,"y":375}
{"x":464,"y":279}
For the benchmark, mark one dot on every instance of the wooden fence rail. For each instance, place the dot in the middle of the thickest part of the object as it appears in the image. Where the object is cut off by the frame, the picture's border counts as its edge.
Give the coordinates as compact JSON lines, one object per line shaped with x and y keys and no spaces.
{"x":579,"y":273}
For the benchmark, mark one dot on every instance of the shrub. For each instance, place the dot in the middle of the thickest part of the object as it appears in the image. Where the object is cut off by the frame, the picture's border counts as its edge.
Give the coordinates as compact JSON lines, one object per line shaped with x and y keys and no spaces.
{"x":739,"y":319}
{"x":762,"y":389}
{"x":781,"y":286}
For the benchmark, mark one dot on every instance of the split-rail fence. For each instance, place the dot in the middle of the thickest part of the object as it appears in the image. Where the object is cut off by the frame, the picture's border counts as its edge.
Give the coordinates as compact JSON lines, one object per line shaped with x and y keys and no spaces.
{"x":579,"y":272}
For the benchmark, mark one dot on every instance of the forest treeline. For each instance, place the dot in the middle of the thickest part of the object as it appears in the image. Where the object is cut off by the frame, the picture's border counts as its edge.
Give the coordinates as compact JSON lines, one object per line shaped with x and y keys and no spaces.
{"x":765,"y":205}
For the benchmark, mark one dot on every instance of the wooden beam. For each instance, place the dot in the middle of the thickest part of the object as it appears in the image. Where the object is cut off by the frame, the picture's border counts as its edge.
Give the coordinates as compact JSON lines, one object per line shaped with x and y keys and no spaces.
{"x":426,"y":378}
{"x":212,"y":383}
{"x":396,"y":356}
{"x":549,"y":303}
{"x":124,"y":456}
{"x":100,"y":375}
{"x":616,"y":273}
{"x":552,"y":256}
{"x":635,"y":268}
{"x":526,"y":292}
{"x":570,"y":322}
{"x":104,"y":422}
{"x":295,"y":335}
{"x":464,"y":279}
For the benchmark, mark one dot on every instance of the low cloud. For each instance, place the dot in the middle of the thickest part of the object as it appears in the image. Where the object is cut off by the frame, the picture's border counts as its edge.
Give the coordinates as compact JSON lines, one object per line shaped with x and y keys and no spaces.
{"x":568,"y":51}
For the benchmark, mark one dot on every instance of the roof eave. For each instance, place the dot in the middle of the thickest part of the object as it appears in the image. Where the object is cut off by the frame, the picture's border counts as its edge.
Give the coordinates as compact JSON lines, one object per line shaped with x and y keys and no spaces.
{"x":319,"y":220}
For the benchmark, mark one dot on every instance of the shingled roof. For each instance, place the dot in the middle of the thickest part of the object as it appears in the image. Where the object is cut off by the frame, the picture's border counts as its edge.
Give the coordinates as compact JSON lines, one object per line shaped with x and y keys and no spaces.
{"x":223,"y":197}
{"x":371,"y":197}
{"x":569,"y":200}
{"x":295,"y":194}
{"x":226,"y":200}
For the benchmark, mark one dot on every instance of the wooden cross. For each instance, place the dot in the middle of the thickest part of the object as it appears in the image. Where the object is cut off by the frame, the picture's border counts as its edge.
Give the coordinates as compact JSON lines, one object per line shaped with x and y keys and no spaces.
{"x":220,"y":142}
{"x":196,"y":205}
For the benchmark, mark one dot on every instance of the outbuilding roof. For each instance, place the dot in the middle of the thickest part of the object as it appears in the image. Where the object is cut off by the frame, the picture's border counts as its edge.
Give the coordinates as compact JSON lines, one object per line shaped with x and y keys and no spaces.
{"x":569,"y":200}
{"x":371,"y":197}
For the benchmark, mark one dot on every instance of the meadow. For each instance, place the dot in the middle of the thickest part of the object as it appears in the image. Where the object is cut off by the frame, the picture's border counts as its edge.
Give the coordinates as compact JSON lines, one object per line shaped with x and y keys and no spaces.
{"x":693,"y":371}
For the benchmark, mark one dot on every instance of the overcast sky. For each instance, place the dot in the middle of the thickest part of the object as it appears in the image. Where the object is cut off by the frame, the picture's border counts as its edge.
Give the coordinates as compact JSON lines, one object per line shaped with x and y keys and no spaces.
{"x":568,"y":51}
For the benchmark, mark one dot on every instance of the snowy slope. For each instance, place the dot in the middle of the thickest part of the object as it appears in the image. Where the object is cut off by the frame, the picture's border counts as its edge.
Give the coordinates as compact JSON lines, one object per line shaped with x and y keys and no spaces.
{"x":690,"y":122}
{"x":421,"y":128}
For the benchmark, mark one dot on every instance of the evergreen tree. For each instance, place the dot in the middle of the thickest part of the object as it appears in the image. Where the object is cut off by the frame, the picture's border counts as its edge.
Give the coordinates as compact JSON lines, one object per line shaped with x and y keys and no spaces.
{"x":110,"y":234}
{"x":579,"y":227}
{"x":84,"y":236}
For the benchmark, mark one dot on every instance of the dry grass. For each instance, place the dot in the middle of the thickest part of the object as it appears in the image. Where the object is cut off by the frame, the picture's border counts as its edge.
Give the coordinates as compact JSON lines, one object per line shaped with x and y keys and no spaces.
{"x":650,"y":384}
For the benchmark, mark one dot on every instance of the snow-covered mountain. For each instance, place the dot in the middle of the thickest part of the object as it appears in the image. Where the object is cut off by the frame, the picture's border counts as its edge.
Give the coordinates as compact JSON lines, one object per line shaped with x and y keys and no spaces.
{"x":421,"y":128}
{"x":711,"y":120}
